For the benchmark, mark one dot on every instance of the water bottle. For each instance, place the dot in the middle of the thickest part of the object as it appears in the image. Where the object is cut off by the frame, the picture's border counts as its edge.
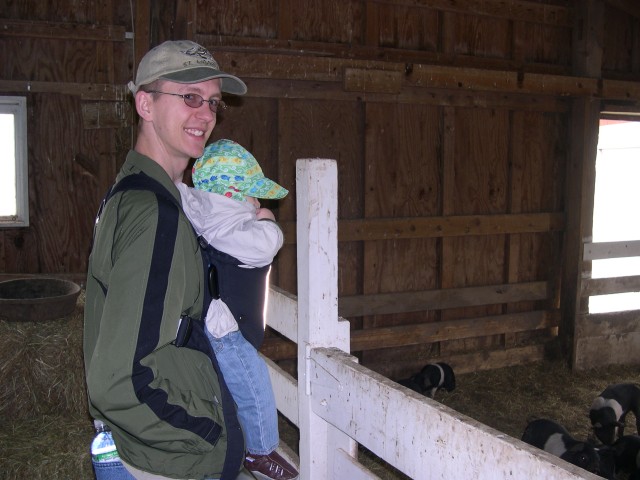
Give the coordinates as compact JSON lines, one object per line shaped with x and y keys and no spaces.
{"x":103,"y":448}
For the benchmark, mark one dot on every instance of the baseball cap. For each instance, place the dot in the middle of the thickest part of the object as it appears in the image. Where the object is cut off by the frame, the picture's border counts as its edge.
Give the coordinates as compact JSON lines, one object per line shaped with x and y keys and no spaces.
{"x":228,"y":169}
{"x":183,"y":61}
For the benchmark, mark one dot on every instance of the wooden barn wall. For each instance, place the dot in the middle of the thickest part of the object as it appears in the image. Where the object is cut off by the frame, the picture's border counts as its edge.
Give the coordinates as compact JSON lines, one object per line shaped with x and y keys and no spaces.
{"x":452,"y":126}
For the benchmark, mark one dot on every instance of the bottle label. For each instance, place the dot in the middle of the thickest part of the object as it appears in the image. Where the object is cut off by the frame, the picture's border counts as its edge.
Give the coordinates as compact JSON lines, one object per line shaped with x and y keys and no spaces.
{"x":111,"y":456}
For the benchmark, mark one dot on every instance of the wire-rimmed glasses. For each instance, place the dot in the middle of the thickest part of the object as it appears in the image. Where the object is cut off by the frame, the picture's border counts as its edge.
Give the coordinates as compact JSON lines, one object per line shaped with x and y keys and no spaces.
{"x":194,"y":100}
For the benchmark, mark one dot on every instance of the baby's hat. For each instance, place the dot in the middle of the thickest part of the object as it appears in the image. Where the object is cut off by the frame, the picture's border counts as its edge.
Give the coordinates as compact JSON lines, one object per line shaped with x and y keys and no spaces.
{"x":228,"y":169}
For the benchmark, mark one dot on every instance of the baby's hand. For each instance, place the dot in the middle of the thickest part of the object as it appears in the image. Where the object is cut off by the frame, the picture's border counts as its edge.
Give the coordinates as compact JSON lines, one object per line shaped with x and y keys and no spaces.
{"x":265,"y":213}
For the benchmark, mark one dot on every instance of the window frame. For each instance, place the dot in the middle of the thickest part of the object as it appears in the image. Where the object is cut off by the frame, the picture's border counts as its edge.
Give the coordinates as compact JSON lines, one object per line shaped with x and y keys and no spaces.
{"x":18,"y":107}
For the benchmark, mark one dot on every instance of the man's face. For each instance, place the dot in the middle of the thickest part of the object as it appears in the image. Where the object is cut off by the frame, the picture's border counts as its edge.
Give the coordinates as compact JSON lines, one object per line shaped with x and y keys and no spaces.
{"x":183,"y":130}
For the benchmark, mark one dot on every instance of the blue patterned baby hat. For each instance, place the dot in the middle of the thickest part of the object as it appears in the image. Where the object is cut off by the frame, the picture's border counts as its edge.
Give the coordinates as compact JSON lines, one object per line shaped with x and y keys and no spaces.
{"x":229,"y":169}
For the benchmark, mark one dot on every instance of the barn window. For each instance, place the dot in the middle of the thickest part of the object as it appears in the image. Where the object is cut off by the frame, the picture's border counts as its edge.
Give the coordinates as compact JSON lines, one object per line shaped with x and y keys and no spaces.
{"x":616,"y":205}
{"x":14,"y":195}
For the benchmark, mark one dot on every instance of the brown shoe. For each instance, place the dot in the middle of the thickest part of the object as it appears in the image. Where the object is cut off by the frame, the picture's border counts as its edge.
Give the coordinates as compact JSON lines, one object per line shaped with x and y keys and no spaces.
{"x":270,"y":467}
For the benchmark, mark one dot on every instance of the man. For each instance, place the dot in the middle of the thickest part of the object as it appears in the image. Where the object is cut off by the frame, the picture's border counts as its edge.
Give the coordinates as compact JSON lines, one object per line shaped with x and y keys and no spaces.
{"x":156,"y":388}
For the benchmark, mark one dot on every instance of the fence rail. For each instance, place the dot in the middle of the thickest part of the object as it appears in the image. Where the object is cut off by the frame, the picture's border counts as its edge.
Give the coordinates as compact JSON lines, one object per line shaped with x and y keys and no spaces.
{"x":337,"y":403}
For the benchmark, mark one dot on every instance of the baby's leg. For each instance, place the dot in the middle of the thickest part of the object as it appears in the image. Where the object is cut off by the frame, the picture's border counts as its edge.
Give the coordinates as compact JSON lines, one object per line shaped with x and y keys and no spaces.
{"x":247,"y":377}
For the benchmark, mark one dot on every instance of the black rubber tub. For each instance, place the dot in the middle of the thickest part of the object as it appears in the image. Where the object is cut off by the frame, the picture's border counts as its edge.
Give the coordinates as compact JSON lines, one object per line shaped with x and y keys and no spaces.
{"x":37,"y":298}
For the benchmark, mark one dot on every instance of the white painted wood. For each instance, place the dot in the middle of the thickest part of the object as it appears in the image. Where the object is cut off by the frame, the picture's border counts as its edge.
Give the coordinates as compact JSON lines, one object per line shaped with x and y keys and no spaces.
{"x":282,"y":312}
{"x":347,"y":467}
{"x":604,"y":250}
{"x":418,"y":435}
{"x":318,"y":326}
{"x":285,"y":390}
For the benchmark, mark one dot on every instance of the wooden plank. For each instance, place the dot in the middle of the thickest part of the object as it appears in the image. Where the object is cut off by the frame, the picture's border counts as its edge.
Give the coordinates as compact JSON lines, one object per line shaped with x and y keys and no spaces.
{"x":513,"y":10}
{"x":330,"y":69}
{"x":620,"y":90}
{"x":389,"y":420}
{"x":285,"y":20}
{"x":488,"y":359}
{"x":142,"y":32}
{"x":632,"y":7}
{"x":605,"y":324}
{"x":605,"y":250}
{"x":381,"y":81}
{"x":440,"y":227}
{"x":348,"y":467}
{"x":86,"y":91}
{"x":607,"y":286}
{"x":237,"y":46}
{"x":403,"y":335}
{"x":107,"y":115}
{"x":588,"y":38}
{"x":62,"y":31}
{"x":185,"y":19}
{"x":385,"y":303}
{"x":333,"y":91}
{"x":372,"y":24}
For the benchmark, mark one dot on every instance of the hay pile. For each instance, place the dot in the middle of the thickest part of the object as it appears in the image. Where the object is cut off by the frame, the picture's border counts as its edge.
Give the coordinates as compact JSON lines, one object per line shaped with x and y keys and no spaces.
{"x":46,"y":429}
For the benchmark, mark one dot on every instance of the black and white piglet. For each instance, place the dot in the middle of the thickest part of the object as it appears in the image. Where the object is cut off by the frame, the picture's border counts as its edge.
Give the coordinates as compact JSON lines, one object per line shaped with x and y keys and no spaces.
{"x":627,"y":453}
{"x":552,"y":437}
{"x":431,"y":378}
{"x":610,"y":408}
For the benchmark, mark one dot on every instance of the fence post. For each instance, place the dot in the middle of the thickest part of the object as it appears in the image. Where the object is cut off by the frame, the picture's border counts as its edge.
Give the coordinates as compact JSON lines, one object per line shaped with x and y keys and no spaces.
{"x":318,"y":326}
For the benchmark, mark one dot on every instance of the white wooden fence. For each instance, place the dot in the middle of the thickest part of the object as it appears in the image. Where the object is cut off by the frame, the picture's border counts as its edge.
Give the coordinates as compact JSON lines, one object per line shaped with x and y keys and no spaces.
{"x":337,"y":403}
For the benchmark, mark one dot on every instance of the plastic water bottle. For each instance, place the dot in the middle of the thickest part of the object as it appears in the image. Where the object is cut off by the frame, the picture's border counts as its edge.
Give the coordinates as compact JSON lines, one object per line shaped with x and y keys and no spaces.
{"x":103,"y":448}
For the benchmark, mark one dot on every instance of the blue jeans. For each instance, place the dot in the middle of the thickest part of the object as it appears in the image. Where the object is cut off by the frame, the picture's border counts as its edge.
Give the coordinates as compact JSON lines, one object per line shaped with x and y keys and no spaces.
{"x":111,"y":471}
{"x":248,"y":380}
{"x":117,"y":471}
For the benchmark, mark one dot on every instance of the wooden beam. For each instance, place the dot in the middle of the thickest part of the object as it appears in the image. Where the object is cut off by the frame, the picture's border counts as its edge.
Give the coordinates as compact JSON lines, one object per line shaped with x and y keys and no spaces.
{"x":401,"y":302}
{"x":588,"y":34}
{"x":513,"y":9}
{"x":63,"y":31}
{"x":437,"y":227}
{"x":620,"y":90}
{"x":278,"y":349}
{"x":294,"y":66}
{"x":407,"y":57}
{"x":632,"y":7}
{"x":605,"y":250}
{"x":399,"y":336}
{"x":86,"y":91}
{"x":142,"y":32}
{"x":607,"y":286}
{"x":468,"y":362}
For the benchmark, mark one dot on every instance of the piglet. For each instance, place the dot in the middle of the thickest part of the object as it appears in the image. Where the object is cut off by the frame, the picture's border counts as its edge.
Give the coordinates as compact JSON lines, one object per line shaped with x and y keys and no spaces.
{"x":609,"y":410}
{"x":552,"y":437}
{"x":627,"y":453}
{"x":431,"y":378}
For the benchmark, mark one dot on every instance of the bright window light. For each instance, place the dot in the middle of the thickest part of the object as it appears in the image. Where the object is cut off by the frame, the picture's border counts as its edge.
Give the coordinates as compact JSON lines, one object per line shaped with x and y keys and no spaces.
{"x":616,"y":205}
{"x":14,"y":195}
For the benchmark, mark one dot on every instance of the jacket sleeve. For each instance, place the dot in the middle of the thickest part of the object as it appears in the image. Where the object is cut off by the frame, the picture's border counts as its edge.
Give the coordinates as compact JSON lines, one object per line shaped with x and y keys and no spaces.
{"x":136,"y":379}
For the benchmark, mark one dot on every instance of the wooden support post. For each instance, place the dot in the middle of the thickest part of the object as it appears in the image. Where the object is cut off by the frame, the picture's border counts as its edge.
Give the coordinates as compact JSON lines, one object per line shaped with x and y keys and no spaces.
{"x":318,"y":325}
{"x":581,"y":170}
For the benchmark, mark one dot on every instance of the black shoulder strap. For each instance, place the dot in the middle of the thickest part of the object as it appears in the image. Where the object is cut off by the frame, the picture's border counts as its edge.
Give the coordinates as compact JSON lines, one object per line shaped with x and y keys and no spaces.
{"x":136,"y":181}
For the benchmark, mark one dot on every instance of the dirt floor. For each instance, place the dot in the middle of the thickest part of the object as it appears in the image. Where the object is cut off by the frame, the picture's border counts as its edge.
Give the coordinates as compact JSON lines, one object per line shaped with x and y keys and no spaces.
{"x":506,"y":398}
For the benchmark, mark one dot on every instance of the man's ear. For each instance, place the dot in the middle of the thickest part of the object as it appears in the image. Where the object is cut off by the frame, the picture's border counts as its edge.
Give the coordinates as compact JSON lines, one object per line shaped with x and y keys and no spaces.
{"x":144,"y":103}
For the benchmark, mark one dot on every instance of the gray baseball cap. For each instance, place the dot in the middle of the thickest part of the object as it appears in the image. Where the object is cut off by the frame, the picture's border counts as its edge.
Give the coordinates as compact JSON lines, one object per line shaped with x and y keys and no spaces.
{"x":183,"y":61}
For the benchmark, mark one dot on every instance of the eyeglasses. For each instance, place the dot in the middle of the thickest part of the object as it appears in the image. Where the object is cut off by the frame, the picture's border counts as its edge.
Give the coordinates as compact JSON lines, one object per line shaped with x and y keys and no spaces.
{"x":194,"y":100}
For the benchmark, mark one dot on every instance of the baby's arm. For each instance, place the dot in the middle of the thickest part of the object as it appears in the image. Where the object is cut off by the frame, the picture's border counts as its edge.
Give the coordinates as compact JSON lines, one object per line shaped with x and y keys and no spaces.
{"x":265,"y":214}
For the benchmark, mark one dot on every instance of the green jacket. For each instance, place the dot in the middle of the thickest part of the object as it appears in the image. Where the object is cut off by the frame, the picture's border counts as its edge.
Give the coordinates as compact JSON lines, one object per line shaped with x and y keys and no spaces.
{"x":162,"y":402}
